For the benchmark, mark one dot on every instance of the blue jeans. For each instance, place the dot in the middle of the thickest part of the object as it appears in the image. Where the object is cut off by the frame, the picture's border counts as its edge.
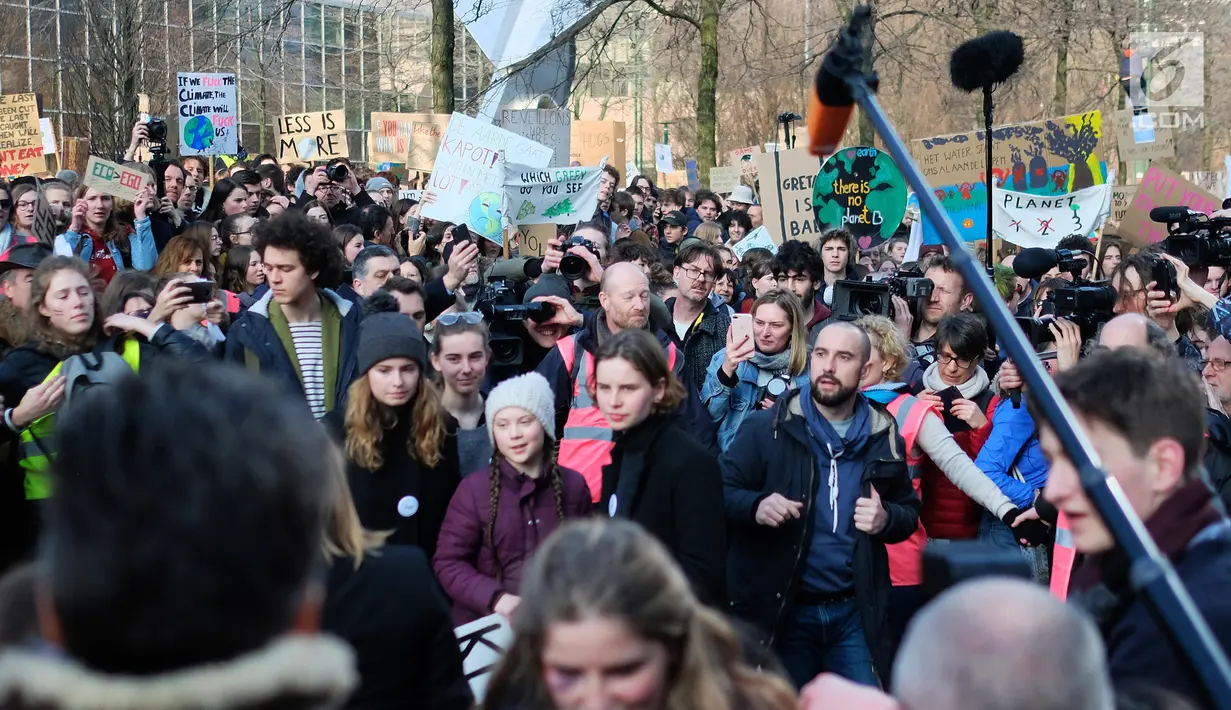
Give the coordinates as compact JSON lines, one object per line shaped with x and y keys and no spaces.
{"x":826,"y":638}
{"x":994,"y":532}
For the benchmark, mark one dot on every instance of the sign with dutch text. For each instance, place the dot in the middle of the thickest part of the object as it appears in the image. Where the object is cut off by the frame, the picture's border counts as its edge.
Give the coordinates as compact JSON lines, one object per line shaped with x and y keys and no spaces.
{"x":551,"y":127}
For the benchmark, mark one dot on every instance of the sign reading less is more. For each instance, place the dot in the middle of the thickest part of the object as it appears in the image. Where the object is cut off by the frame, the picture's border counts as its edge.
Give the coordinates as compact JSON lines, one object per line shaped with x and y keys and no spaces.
{"x":312,"y":136}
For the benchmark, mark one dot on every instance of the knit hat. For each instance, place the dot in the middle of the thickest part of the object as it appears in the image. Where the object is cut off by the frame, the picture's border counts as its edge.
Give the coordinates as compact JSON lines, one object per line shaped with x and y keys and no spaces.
{"x":388,"y":335}
{"x":377,"y":184}
{"x":530,"y":392}
{"x":548,"y":285}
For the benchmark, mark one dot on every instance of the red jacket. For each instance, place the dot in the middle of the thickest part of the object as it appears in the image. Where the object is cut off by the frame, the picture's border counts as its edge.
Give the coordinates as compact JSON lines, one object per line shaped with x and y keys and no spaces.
{"x":948,"y":513}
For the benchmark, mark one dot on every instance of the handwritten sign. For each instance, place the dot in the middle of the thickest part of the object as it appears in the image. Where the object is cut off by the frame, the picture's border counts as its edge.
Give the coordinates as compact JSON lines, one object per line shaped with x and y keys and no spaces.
{"x":425,"y":143}
{"x":1163,"y":145}
{"x":482,"y":642}
{"x":591,"y":141}
{"x":390,"y":136}
{"x":1161,"y":187}
{"x":468,"y":179}
{"x":208,"y":113}
{"x":1212,"y":181}
{"x":756,"y":239}
{"x":305,"y":137}
{"x":114,"y":179}
{"x":724,"y":180}
{"x":1043,"y":220}
{"x":21,"y":139}
{"x":862,"y":191}
{"x":44,"y":227}
{"x":551,"y":127}
{"x":532,"y":238}
{"x":743,"y":158}
{"x":550,"y":196}
{"x":49,"y":136}
{"x":662,"y":158}
{"x":1121,"y":197}
{"x":787,"y":181}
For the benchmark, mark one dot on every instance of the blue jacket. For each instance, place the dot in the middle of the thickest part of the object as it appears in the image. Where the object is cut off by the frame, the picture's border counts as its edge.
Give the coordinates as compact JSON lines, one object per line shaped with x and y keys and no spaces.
{"x":140,"y":243}
{"x":730,"y":406}
{"x":254,"y":333}
{"x":765,"y":566}
{"x":1014,"y":442}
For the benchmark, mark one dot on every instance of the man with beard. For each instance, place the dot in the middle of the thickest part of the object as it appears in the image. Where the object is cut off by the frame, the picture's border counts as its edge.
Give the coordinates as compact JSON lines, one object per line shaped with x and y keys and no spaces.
{"x":815,"y":488}
{"x":585,"y":436}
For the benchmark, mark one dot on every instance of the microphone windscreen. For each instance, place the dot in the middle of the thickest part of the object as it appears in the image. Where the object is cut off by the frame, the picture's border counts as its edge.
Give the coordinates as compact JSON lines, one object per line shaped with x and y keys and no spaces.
{"x":1170,"y":214}
{"x":1032,"y":263}
{"x":986,"y":60}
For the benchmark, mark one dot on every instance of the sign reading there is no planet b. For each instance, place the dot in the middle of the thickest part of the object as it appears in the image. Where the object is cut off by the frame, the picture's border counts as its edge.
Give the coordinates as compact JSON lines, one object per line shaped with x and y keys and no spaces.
{"x":860,"y":190}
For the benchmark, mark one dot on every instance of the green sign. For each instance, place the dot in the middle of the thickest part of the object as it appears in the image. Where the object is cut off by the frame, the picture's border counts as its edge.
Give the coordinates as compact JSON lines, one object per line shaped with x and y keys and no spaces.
{"x":862,"y":191}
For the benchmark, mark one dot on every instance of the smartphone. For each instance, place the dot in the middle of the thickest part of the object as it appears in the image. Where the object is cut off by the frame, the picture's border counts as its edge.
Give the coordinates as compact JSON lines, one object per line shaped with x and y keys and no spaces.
{"x":947,"y":397}
{"x":741,"y":327}
{"x":1164,"y":276}
{"x":202,"y":291}
{"x":461,"y":233}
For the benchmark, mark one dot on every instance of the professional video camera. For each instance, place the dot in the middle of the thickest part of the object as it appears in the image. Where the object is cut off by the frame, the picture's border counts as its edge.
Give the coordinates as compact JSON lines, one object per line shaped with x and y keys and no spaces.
{"x":909,"y":284}
{"x":1195,"y":239}
{"x":500,"y":303}
{"x":573,"y":267}
{"x":1089,"y":304}
{"x":855,"y":299}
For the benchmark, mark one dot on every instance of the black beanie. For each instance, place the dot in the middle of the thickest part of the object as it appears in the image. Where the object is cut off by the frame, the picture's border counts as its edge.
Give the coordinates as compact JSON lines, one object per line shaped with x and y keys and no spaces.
{"x":388,"y":335}
{"x":548,"y":285}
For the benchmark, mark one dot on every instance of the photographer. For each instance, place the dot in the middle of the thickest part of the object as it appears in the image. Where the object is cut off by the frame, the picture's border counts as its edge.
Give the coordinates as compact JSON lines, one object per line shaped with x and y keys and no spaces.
{"x":588,"y":247}
{"x":949,"y":297}
{"x":1133,"y":280}
{"x":329,"y":185}
{"x":1083,"y":249}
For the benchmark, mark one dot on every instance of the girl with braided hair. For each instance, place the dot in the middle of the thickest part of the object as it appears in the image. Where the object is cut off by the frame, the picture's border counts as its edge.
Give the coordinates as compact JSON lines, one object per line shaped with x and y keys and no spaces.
{"x":495,"y":522}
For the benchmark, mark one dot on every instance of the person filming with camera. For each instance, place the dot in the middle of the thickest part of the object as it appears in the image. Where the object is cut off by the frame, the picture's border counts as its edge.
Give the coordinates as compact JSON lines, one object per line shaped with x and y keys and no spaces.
{"x":331,"y":185}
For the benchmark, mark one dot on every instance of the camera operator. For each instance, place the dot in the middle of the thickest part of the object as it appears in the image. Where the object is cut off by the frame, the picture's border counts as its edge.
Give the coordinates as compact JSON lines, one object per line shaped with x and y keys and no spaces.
{"x":1144,"y":415}
{"x":1134,"y":280}
{"x":1082,"y":249}
{"x":949,"y":297}
{"x":329,"y":184}
{"x":588,"y":247}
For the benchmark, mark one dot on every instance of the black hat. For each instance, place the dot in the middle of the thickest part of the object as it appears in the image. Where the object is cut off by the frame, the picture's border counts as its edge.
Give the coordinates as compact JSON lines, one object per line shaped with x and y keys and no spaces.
{"x":25,"y":256}
{"x":548,"y":285}
{"x":676,"y":218}
{"x":388,"y":335}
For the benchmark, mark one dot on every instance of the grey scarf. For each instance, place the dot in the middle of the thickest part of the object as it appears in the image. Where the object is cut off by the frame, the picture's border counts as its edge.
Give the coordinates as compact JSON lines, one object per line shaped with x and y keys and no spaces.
{"x":777,"y":363}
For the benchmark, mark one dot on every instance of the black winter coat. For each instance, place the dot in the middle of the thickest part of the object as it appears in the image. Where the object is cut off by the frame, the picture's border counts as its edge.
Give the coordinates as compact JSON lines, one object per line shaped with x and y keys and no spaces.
{"x":770,"y":454}
{"x":671,"y":486}
{"x":392,"y":612}
{"x":1217,"y":461}
{"x":703,"y":341}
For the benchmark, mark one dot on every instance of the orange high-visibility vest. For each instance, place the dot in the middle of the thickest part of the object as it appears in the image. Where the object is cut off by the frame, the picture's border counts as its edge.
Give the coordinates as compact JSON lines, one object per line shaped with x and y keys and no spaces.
{"x":906,"y":557}
{"x":1063,"y":556}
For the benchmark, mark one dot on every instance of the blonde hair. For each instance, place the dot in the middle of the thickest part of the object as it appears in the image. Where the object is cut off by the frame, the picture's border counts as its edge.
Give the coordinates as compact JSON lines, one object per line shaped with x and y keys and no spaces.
{"x":615,"y":570}
{"x":344,"y":533}
{"x":366,"y":420}
{"x":888,"y":341}
{"x":709,"y":232}
{"x":789,"y":303}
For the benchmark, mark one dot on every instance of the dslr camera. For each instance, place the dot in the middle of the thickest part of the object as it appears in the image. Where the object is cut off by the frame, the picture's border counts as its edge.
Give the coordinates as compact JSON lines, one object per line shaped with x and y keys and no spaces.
{"x":1195,"y":239}
{"x":156,"y":127}
{"x":573,"y":267}
{"x":337,"y":172}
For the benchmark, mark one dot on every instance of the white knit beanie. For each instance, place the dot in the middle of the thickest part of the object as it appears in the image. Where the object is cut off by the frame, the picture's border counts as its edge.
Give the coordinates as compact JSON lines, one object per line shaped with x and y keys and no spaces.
{"x":530,"y":392}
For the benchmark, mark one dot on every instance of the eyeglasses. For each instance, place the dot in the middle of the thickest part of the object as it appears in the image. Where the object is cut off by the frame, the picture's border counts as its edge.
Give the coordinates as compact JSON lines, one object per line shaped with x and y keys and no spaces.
{"x":694,"y":273}
{"x":27,"y":205}
{"x":944,"y":359}
{"x":467,"y":317}
{"x":1216,"y":364}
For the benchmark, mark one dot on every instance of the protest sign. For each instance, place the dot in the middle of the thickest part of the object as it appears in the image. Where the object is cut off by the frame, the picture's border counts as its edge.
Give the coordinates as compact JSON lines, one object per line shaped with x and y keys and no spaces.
{"x":312,"y":136}
{"x":1127,"y":139}
{"x":1160,"y":187}
{"x":743,"y":158}
{"x":1211,"y":181}
{"x":482,"y":642}
{"x":694,"y":175}
{"x":863,"y":191}
{"x":550,"y":196}
{"x":44,"y":227}
{"x":49,"y":136}
{"x":1043,"y":220}
{"x":21,"y":139}
{"x":756,"y":239}
{"x":114,"y":179}
{"x":631,"y":172}
{"x":390,"y":138}
{"x":208,"y":111}
{"x":1121,"y":196}
{"x":1052,"y":157}
{"x":532,"y":238}
{"x":591,"y":141}
{"x":550,"y":127}
{"x":467,"y":182}
{"x":675,"y":178}
{"x":425,"y":142}
{"x":787,"y":179}
{"x":724,"y":180}
{"x":663,"y":162}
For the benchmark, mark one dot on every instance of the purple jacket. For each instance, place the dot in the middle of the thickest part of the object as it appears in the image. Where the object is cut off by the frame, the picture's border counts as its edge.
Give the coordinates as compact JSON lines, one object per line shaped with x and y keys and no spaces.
{"x":525,"y":517}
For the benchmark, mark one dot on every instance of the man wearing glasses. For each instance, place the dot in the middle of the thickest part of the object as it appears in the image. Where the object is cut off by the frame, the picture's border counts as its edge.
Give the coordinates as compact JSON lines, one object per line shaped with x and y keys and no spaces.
{"x":332,"y":195}
{"x":700,"y":327}
{"x":1217,"y":376}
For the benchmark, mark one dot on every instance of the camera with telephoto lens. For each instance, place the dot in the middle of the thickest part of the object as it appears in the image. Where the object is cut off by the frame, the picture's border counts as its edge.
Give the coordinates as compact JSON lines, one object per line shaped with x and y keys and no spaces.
{"x":337,"y":172}
{"x":501,"y":306}
{"x":573,"y":267}
{"x":156,"y":131}
{"x":1089,"y":304}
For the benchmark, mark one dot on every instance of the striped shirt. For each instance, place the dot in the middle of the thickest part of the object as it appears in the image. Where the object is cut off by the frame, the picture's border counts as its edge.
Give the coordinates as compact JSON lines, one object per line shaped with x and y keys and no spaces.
{"x":307,"y":340}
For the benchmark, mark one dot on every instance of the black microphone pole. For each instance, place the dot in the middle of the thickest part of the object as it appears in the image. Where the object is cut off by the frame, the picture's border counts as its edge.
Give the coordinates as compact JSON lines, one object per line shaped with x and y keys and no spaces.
{"x":1153,"y":574}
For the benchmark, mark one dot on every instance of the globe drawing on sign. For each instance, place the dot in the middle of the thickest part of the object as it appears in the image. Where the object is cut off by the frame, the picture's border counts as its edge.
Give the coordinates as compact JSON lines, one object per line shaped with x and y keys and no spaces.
{"x":484,"y":215}
{"x":199,"y":133}
{"x":863,"y":191}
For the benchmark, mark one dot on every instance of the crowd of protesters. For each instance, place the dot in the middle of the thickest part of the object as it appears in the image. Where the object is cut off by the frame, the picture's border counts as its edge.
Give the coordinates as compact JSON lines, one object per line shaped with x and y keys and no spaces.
{"x":682,"y":472}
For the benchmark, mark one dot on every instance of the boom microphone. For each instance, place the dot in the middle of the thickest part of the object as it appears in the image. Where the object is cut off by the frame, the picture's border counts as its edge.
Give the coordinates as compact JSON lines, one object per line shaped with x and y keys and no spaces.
{"x":984,"y":62}
{"x":1173,"y":214}
{"x":1032,"y":263}
{"x":829,"y":106}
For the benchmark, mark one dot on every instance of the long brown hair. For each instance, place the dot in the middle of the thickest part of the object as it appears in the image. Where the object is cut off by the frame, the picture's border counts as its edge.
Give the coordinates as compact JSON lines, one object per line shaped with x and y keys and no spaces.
{"x":643,"y":351}
{"x":113,"y":230}
{"x":46,"y":337}
{"x":345,"y":535}
{"x":179,"y":250}
{"x":367,"y":419}
{"x":613,"y":569}
{"x":789,"y":303}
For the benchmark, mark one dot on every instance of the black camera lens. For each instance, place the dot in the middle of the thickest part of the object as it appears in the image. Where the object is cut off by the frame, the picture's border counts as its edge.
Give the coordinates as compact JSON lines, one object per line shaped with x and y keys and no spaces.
{"x":337,"y":172}
{"x":573,"y":267}
{"x":541,"y":312}
{"x":157,"y":129}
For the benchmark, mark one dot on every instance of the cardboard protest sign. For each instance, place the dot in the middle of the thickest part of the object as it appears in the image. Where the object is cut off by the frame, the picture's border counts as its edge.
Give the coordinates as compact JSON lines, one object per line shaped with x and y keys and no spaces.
{"x":390,"y":136}
{"x":550,"y":196}
{"x":49,"y":136}
{"x":532,"y":238}
{"x":591,"y":141}
{"x":743,"y":158}
{"x":209,"y":113}
{"x":44,"y":227}
{"x":467,"y":183}
{"x":675,"y":178}
{"x":1160,"y":187}
{"x":306,"y":137}
{"x":551,"y":127}
{"x":1052,"y":157}
{"x":114,"y":179}
{"x":756,"y":239}
{"x":663,"y":162}
{"x":1156,"y":142}
{"x":1121,"y":197}
{"x":787,"y":179}
{"x":21,"y":139}
{"x":863,"y":191}
{"x":724,"y":180}
{"x":1043,"y":220}
{"x":694,"y":175}
{"x":1211,"y":181}
{"x":482,"y":642}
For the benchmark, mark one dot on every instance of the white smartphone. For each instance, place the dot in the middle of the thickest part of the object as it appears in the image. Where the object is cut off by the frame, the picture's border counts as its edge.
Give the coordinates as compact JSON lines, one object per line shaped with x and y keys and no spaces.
{"x":741,"y":326}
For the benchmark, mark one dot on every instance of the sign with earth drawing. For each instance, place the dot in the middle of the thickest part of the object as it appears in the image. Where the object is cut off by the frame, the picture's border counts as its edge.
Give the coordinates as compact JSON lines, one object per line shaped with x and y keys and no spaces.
{"x":862,"y":191}
{"x":208,"y":110}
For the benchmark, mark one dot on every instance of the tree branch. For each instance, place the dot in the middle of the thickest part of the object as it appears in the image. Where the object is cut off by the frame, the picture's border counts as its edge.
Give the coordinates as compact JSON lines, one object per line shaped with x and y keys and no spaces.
{"x":672,"y":14}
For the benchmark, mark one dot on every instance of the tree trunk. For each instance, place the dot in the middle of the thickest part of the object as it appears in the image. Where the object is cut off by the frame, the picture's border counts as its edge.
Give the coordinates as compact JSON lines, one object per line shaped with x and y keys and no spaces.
{"x":707,"y":90}
{"x":1061,"y":99}
{"x":442,"y":56}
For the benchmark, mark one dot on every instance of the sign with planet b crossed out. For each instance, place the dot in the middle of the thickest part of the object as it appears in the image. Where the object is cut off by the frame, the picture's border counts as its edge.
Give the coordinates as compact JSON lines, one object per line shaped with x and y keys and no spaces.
{"x":862,"y":191}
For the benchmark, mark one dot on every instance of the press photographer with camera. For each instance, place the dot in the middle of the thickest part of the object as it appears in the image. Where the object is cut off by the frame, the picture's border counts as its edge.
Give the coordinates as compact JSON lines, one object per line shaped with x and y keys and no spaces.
{"x":949,"y":296}
{"x":1149,"y":284}
{"x":579,"y":257}
{"x":331,"y":184}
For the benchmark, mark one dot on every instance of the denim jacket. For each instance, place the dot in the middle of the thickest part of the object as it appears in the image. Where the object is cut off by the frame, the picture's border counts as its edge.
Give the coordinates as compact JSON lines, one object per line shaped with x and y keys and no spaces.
{"x":140,"y":242}
{"x":729,"y":406}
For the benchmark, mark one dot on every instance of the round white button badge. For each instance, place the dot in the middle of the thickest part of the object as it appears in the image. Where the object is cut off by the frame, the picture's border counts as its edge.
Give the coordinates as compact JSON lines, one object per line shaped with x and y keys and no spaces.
{"x":611,"y":506}
{"x":408,"y":506}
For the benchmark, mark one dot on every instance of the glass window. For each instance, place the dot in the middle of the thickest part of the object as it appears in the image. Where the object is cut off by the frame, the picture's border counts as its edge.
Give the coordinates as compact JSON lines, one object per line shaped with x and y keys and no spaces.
{"x":293,"y":96}
{"x":202,"y":14}
{"x":70,"y":5}
{"x":293,"y":25}
{"x":333,"y":100}
{"x":50,"y":4}
{"x":16,"y":75}
{"x":333,"y":26}
{"x":333,"y":67}
{"x":356,"y":117}
{"x":292,"y":59}
{"x":46,"y":83}
{"x":314,"y":99}
{"x":312,"y":71}
{"x":355,"y":144}
{"x":354,"y":74}
{"x":76,"y":124}
{"x":311,"y":24}
{"x":72,"y":31}
{"x":203,"y":45}
{"x":369,"y":32}
{"x":353,"y":20}
{"x":43,"y":34}
{"x":179,"y":13}
{"x":250,"y":136}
